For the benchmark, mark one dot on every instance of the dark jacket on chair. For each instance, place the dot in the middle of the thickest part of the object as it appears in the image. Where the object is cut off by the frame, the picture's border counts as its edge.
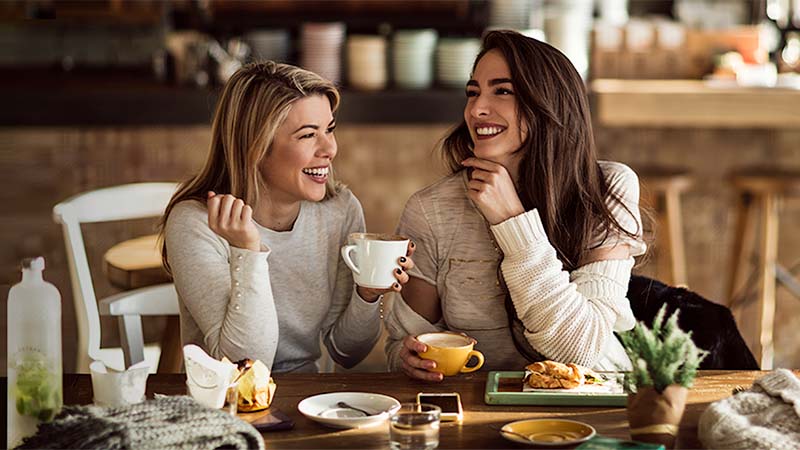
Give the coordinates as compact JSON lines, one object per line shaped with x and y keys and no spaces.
{"x":712,"y":325}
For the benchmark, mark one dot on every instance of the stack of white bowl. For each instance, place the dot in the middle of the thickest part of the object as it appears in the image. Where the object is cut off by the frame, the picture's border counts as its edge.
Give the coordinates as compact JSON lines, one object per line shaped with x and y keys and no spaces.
{"x":321,"y":49}
{"x":268,"y":45}
{"x":454,"y":59}
{"x":412,"y":59}
{"x":510,"y":14}
{"x":366,"y":62}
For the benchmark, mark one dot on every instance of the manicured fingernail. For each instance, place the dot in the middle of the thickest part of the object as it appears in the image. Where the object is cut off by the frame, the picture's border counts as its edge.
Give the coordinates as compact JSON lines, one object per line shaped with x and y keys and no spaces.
{"x":413,"y":245}
{"x":398,"y":271}
{"x":396,"y":286}
{"x":402,"y":259}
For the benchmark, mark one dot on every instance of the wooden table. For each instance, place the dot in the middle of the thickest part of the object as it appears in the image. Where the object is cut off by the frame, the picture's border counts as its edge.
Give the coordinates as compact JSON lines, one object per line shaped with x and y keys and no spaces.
{"x":478,"y":429}
{"x":134,"y":264}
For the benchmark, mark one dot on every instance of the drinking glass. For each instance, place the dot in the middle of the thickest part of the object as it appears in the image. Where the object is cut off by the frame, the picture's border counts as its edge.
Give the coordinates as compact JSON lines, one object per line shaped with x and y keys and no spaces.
{"x":415,"y":426}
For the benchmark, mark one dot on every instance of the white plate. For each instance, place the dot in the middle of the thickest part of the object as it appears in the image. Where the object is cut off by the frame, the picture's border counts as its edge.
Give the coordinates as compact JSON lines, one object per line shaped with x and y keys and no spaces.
{"x":323,"y":408}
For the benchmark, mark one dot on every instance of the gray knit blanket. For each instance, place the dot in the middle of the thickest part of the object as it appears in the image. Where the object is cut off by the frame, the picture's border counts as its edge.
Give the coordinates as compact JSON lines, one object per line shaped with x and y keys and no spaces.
{"x":766,"y":416}
{"x":167,"y":422}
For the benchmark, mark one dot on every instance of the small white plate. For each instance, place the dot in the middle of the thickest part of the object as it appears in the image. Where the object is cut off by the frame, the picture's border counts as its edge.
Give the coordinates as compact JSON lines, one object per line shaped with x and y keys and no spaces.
{"x":323,"y":408}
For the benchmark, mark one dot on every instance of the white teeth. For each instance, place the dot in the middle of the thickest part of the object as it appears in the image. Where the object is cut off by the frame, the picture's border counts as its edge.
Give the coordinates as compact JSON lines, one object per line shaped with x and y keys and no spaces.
{"x":488,"y":131}
{"x":317,"y":172}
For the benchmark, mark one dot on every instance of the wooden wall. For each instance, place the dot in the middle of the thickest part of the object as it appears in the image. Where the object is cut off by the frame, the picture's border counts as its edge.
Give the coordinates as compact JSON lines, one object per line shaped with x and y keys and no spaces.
{"x":383,"y":165}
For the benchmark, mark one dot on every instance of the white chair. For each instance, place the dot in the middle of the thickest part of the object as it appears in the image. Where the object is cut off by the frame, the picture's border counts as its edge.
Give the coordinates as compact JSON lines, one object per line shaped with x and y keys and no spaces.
{"x":125,"y":202}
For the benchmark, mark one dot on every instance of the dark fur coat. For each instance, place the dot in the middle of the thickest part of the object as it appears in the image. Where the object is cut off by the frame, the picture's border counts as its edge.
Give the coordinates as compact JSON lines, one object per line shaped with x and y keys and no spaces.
{"x":712,"y":325}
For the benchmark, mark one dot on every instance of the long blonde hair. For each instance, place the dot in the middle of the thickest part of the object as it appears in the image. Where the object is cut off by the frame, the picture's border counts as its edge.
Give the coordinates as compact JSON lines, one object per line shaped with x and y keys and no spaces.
{"x":253,"y":105}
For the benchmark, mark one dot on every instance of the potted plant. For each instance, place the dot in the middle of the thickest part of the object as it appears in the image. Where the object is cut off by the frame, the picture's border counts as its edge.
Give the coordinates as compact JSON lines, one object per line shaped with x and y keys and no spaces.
{"x":665,"y":362}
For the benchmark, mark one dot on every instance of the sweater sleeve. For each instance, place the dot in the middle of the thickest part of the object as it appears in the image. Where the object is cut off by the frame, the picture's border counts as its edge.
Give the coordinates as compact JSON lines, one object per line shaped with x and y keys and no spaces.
{"x":567,"y":317}
{"x":402,"y":321}
{"x":353,"y":325}
{"x":225,"y":289}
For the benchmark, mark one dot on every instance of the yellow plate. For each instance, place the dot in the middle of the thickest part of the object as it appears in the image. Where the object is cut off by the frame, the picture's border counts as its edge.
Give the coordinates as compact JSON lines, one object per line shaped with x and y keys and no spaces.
{"x":547,"y":432}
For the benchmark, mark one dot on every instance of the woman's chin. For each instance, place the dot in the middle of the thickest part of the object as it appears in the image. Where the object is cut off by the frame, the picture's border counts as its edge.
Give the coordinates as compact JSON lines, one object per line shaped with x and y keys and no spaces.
{"x":491,"y":153}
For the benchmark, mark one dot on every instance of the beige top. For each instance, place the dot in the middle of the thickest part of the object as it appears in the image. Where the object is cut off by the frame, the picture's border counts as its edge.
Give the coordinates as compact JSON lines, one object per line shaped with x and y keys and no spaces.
{"x":275,"y":305}
{"x":568,"y":316}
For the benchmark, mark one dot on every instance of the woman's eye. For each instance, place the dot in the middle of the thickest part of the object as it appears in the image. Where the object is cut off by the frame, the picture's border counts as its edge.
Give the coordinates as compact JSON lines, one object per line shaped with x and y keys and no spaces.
{"x":503,"y":91}
{"x":330,"y":130}
{"x":307,"y":136}
{"x":472,"y":93}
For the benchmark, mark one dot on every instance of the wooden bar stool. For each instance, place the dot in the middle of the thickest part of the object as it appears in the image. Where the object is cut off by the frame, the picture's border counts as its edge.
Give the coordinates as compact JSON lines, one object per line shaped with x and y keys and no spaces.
{"x":761,"y":191}
{"x":662,"y":189}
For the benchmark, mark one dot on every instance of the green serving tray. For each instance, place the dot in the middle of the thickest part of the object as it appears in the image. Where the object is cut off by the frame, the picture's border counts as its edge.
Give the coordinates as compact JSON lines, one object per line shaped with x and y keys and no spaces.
{"x":495,"y":396}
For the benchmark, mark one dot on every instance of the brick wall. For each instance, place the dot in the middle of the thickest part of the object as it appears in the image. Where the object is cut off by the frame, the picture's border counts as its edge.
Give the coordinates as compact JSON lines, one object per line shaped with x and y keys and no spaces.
{"x":383,"y":165}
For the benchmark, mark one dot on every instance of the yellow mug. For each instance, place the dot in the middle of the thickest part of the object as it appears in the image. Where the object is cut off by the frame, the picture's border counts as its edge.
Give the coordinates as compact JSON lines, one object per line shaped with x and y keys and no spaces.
{"x":452,"y":352}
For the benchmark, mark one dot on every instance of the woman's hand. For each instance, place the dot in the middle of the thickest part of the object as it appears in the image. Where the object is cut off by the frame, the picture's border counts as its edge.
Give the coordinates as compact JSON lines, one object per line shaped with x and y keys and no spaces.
{"x":230,"y":218}
{"x":413,"y":365}
{"x":492,"y":190}
{"x":406,"y":264}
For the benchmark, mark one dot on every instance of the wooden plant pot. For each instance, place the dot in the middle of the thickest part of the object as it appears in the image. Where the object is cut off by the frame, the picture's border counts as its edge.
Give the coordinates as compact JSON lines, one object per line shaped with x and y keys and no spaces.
{"x":655,"y":417}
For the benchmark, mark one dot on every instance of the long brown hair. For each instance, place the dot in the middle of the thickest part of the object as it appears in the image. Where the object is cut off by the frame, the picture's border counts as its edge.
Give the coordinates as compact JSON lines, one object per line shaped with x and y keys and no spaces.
{"x":254,"y":103}
{"x":558,"y":173}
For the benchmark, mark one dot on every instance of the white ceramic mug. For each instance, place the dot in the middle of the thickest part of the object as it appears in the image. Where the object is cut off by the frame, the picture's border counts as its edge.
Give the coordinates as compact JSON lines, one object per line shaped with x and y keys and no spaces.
{"x":376,"y":258}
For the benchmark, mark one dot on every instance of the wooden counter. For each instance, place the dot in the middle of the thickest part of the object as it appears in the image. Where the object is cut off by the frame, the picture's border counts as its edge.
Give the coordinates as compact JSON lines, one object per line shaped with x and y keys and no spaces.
{"x":692,"y":104}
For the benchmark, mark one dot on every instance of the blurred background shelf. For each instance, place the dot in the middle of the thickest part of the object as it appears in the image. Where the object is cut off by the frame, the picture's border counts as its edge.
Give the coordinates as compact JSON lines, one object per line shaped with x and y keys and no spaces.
{"x":693,"y":104}
{"x":123,"y":98}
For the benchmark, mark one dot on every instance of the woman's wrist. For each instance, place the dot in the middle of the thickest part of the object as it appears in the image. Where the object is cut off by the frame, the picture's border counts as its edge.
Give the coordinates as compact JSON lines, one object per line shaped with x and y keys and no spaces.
{"x":367,"y":294}
{"x":252,"y":246}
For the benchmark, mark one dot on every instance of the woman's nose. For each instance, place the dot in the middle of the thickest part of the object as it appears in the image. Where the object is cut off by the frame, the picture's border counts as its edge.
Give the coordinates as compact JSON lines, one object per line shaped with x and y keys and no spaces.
{"x":328,"y":148}
{"x":479,"y":108}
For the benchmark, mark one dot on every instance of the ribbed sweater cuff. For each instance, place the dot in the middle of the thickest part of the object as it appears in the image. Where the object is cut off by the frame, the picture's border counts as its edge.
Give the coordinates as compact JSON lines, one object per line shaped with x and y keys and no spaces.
{"x":519,"y":232}
{"x":618,"y":270}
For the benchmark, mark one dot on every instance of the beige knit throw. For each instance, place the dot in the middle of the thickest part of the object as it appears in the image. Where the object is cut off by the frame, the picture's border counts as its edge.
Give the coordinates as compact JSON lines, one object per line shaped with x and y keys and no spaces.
{"x":167,"y":422}
{"x":766,"y":416}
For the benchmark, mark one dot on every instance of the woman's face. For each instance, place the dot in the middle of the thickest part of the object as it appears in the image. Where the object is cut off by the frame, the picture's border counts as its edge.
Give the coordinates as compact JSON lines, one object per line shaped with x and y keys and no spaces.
{"x":491,"y":111}
{"x":297,"y":166}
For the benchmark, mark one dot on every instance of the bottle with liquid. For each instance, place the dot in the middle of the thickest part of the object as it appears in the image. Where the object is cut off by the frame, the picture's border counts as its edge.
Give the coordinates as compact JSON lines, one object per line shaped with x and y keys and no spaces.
{"x":34,"y":353}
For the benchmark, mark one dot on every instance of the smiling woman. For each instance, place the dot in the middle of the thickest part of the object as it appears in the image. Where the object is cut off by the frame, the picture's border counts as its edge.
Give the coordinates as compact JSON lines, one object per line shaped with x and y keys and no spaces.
{"x":253,"y":240}
{"x":528,"y":246}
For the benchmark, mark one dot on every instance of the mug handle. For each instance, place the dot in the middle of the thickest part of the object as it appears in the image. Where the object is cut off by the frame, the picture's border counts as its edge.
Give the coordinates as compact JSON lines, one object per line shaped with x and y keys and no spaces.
{"x":346,"y":257}
{"x":477,"y":354}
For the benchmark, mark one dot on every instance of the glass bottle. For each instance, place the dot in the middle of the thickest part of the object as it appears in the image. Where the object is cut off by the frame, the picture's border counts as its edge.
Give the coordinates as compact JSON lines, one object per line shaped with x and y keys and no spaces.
{"x":34,"y":352}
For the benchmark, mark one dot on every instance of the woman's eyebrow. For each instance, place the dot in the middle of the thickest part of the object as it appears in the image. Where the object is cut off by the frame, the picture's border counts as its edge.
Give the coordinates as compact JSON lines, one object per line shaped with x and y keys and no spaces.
{"x":315,"y":127}
{"x":499,"y":81}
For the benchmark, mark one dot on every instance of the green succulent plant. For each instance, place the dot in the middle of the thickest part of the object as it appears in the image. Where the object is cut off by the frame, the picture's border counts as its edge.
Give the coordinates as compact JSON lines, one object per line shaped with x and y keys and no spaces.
{"x":661,"y":355}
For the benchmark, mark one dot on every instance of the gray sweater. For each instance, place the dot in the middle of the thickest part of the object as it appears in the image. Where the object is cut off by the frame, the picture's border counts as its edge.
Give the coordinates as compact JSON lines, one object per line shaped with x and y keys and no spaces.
{"x":274,"y":305}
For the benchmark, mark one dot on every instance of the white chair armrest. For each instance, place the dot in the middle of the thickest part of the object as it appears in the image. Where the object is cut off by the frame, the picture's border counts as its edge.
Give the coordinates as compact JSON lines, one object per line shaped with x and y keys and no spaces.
{"x":159,"y":300}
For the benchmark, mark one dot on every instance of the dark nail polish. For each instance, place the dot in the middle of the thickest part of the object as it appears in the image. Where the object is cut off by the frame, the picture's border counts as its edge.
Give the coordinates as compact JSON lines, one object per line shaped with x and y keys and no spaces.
{"x":398,"y":271}
{"x":413,"y":245}
{"x":402,"y":259}
{"x":396,"y":286}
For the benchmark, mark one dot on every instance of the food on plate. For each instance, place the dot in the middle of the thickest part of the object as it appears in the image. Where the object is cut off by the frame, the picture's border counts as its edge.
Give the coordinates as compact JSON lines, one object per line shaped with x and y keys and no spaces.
{"x":255,"y":386}
{"x":556,"y":375}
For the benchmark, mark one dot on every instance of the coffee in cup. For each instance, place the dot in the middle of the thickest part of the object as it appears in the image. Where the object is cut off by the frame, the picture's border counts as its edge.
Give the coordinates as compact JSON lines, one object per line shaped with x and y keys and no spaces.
{"x":452,"y":352}
{"x":373,"y":258}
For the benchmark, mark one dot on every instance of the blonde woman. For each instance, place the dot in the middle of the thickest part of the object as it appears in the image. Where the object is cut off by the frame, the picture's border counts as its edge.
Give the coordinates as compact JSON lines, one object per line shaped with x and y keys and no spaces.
{"x":253,"y":240}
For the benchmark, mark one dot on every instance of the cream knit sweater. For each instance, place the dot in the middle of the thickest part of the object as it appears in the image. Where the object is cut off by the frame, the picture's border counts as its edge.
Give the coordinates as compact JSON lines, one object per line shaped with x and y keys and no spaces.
{"x":569,"y":317}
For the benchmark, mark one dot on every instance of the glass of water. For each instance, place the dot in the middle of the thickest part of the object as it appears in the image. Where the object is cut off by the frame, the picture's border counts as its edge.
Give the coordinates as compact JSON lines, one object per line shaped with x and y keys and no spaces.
{"x":415,"y":426}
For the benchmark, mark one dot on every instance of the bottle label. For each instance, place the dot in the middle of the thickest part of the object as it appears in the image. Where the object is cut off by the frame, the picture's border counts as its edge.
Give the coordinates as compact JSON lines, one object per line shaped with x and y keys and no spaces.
{"x":37,"y":388}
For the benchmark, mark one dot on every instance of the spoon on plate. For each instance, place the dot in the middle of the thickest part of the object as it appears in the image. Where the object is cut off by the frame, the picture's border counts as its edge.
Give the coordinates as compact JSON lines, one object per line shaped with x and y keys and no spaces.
{"x":523,"y":436}
{"x":345,"y":405}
